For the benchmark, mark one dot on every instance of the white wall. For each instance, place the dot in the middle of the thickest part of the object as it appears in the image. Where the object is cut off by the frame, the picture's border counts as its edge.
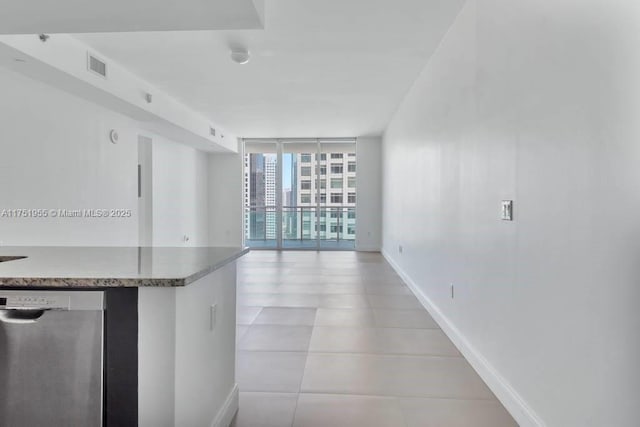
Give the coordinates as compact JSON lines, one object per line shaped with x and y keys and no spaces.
{"x":535,"y":101}
{"x":180,"y":195}
{"x":206,"y":390}
{"x":369,"y":194}
{"x":186,"y":368}
{"x":225,"y":199}
{"x":156,"y":356}
{"x":55,"y":153}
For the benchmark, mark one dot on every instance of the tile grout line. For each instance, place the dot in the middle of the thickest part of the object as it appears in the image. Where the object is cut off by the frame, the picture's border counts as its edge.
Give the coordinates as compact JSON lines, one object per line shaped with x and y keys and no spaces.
{"x":338,"y":353}
{"x":394,"y":396}
{"x":302,"y":265}
{"x":295,"y":411}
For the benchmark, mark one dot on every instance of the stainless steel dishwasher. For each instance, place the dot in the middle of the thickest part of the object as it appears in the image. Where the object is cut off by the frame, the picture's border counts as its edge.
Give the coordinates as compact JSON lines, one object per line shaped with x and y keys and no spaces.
{"x":51,"y":347}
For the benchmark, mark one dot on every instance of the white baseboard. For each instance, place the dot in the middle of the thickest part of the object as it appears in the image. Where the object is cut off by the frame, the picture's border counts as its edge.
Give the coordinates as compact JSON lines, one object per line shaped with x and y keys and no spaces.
{"x":524,"y":415}
{"x":228,"y":410}
{"x":367,"y":248}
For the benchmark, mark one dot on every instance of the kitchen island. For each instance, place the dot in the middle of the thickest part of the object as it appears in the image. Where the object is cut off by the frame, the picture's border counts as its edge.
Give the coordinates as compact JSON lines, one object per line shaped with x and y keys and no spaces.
{"x":167,"y":329}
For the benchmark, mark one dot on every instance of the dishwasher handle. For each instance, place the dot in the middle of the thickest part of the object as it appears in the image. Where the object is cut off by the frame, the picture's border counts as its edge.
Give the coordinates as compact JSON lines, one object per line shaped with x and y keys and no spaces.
{"x":21,"y":316}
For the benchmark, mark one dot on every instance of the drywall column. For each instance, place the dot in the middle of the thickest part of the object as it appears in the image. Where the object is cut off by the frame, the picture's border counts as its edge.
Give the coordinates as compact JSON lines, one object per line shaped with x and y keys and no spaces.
{"x":369,"y":194}
{"x":225,"y":198}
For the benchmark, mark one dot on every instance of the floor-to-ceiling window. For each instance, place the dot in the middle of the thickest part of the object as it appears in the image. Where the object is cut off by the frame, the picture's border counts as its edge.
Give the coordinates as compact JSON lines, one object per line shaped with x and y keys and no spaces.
{"x":300,"y":194}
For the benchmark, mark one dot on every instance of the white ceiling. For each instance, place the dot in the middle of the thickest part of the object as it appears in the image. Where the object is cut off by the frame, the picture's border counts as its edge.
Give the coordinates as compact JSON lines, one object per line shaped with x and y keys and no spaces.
{"x":320,"y":68}
{"x":77,"y":16}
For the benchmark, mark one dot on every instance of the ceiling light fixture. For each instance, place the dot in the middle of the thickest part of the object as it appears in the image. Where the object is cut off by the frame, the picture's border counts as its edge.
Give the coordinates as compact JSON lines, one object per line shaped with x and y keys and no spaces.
{"x":240,"y":56}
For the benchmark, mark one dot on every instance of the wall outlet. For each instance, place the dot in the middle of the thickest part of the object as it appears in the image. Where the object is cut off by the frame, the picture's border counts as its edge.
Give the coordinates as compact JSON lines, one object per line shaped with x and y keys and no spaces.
{"x":452,"y":291}
{"x":213,"y":313}
{"x":400,"y":248}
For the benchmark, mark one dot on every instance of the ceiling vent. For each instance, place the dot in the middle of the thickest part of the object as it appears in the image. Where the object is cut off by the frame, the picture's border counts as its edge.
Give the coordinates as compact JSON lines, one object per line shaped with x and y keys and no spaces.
{"x":96,"y":65}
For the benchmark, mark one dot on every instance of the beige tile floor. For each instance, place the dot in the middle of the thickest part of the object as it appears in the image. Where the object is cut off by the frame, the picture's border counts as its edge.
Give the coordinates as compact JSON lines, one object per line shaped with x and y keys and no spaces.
{"x":337,"y":339}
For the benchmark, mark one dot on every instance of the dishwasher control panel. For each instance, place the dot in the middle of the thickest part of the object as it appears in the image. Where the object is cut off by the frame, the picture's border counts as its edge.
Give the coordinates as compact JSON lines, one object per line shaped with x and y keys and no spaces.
{"x":34,"y":302}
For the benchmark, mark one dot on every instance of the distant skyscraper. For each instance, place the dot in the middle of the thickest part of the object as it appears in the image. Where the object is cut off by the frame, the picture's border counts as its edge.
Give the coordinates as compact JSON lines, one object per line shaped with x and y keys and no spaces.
{"x":334,"y":193}
{"x":260,"y":196}
{"x":290,"y":201}
{"x":256,"y":180}
{"x":270,"y":161}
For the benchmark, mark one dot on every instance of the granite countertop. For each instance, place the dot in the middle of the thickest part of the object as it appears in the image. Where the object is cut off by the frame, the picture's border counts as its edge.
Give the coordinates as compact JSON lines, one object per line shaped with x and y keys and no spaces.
{"x":65,"y":267}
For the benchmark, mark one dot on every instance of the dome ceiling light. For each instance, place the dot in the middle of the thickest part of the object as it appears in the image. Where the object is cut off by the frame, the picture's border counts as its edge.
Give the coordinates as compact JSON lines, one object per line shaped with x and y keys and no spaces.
{"x":240,"y":56}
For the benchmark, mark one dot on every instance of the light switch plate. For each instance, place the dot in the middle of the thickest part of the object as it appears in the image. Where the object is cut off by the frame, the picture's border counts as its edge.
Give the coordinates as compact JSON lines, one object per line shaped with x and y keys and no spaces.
{"x":507,"y":210}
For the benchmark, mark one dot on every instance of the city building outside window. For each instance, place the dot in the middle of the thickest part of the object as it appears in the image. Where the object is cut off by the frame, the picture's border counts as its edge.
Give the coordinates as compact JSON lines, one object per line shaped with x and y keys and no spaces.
{"x":303,"y":180}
